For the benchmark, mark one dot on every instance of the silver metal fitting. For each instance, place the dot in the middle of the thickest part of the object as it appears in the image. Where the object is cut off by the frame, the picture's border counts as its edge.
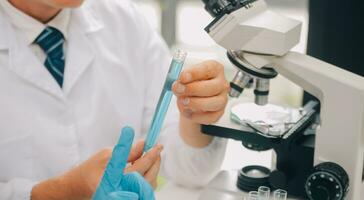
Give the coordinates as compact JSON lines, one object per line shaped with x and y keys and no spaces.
{"x":240,"y":81}
{"x":261,"y":91}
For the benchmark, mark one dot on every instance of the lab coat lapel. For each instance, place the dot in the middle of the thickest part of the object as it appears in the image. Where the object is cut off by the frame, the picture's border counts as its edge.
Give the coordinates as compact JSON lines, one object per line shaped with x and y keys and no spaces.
{"x":4,"y":38}
{"x":24,"y":63}
{"x":80,"y":51}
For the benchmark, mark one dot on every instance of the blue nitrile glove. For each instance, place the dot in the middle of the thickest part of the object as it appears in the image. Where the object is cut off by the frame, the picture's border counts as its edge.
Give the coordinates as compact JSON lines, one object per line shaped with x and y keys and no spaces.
{"x":115,"y":185}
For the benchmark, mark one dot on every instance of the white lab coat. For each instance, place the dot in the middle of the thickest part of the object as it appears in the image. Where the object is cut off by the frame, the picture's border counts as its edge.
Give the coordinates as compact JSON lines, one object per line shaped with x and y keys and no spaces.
{"x":115,"y":68}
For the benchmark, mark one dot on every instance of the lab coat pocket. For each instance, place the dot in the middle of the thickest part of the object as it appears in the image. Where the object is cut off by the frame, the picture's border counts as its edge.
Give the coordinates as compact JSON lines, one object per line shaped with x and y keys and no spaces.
{"x":16,"y":158}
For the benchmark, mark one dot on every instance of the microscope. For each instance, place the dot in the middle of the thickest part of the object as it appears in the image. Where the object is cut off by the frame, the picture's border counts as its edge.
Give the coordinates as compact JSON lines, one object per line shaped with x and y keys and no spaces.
{"x":320,"y":156}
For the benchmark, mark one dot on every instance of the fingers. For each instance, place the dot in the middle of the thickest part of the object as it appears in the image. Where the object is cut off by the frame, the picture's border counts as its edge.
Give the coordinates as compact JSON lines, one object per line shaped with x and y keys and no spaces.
{"x":119,"y":157}
{"x":202,"y":92}
{"x":204,"y":118}
{"x":152,"y":173}
{"x":202,"y":104}
{"x":203,"y":88}
{"x":137,"y":151}
{"x":143,"y":164}
{"x":203,"y":71}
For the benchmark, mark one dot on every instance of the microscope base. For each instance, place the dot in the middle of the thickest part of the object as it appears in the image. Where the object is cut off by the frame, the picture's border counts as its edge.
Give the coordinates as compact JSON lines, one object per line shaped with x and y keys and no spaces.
{"x":223,"y":187}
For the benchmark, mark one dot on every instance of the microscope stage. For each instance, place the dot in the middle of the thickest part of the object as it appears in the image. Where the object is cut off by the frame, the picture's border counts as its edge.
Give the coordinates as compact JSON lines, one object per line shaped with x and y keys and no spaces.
{"x":225,"y":127}
{"x":246,"y":121}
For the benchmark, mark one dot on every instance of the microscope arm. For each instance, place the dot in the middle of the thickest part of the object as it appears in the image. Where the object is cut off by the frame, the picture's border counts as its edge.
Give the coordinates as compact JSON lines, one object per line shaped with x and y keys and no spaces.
{"x":341,"y":93}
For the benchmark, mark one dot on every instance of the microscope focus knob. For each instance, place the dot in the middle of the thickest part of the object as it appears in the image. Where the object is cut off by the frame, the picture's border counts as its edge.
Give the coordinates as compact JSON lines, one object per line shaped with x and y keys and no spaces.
{"x":328,"y":181}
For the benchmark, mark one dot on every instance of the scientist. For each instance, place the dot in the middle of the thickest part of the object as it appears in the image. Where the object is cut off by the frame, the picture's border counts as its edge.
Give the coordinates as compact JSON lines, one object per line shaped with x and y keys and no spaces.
{"x":72,"y":74}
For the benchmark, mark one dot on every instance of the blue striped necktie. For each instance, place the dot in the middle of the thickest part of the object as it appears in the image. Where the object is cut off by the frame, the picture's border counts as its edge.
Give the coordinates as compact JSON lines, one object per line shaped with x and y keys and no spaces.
{"x":51,"y":42}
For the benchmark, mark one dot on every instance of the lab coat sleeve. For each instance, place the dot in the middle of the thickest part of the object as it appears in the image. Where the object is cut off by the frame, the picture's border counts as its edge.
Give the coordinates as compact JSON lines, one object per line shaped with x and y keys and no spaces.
{"x":16,"y":189}
{"x":180,"y":163}
{"x":186,"y":165}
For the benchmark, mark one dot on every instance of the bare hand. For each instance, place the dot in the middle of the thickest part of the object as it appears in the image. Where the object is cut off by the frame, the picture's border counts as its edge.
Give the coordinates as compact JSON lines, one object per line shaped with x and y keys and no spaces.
{"x":202,"y":92}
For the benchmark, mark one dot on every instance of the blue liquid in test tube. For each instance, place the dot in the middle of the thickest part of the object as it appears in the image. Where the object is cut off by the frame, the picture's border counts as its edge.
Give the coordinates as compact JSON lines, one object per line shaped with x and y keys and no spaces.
{"x":164,"y":99}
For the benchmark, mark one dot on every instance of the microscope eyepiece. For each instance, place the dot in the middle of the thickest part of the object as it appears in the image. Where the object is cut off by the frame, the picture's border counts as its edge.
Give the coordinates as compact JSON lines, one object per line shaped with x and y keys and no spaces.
{"x":217,"y":8}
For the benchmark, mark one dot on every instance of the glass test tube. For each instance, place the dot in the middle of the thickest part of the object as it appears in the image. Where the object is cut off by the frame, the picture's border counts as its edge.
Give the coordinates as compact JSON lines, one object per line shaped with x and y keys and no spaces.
{"x":280,"y":194}
{"x":164,"y":99}
{"x":253,"y":195}
{"x":264,"y":193}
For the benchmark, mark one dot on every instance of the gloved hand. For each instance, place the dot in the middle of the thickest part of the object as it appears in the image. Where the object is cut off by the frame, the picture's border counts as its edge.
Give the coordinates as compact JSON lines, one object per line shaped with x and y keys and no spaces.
{"x":115,"y":185}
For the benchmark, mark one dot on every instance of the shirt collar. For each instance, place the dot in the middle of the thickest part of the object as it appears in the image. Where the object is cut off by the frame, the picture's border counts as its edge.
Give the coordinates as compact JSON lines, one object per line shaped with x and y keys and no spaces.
{"x":31,"y":27}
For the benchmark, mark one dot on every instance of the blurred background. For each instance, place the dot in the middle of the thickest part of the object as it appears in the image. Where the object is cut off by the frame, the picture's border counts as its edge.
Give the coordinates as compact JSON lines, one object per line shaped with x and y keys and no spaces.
{"x":181,"y":23}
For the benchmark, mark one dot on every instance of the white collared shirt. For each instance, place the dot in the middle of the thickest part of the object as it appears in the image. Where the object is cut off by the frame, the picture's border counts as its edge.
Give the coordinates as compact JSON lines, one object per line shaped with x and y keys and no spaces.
{"x":32,"y":28}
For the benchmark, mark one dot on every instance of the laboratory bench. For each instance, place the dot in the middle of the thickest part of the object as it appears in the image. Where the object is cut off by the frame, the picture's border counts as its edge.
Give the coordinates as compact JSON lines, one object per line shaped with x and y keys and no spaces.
{"x":223,"y":189}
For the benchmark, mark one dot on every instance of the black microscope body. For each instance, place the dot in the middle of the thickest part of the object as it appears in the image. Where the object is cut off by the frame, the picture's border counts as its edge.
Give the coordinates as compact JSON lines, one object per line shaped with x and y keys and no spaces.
{"x":294,"y":154}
